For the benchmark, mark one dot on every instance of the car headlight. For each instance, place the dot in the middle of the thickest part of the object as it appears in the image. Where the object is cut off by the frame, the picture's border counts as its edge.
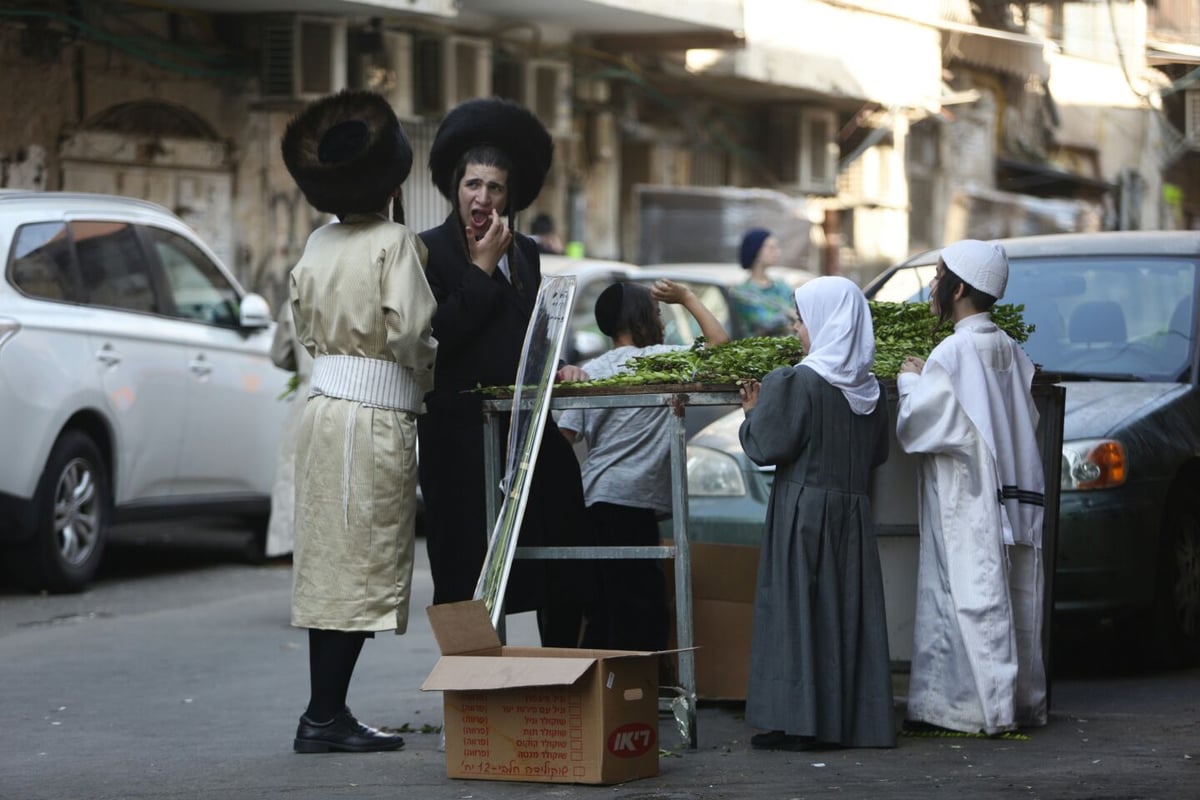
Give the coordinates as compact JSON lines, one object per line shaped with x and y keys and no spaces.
{"x":1092,"y":464}
{"x":711,"y":473}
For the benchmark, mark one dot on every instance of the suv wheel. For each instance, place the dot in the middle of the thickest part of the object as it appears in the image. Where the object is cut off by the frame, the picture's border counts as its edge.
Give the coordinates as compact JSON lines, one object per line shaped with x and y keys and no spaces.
{"x":71,"y":527}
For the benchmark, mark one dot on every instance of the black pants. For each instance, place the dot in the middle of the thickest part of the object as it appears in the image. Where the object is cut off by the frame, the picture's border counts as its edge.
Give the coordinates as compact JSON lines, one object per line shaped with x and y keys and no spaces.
{"x":630,"y":609}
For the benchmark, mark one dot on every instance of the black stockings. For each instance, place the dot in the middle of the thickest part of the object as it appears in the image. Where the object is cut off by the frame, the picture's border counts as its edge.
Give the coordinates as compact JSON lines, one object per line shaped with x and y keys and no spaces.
{"x":331,"y":659}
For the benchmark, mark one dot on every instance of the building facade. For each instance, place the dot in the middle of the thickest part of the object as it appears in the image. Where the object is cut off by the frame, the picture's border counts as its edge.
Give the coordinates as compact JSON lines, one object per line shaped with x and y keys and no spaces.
{"x":879,"y":130}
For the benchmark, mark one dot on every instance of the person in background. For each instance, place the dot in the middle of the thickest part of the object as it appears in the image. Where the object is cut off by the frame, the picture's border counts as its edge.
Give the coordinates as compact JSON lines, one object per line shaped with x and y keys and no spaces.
{"x":968,"y":410}
{"x":363,"y":309}
{"x":820,"y":674}
{"x":626,"y":476}
{"x":287,"y":353}
{"x":489,"y":159}
{"x":542,"y":231}
{"x":763,"y":303}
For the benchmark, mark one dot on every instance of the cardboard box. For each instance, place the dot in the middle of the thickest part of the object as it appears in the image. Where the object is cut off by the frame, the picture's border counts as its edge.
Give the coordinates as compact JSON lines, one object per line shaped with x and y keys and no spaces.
{"x":541,"y":714}
{"x":723,"y":581}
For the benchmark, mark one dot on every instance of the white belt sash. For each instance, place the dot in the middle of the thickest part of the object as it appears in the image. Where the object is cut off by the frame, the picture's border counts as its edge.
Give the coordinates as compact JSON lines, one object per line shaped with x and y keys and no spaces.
{"x":369,"y":381}
{"x":365,"y":382}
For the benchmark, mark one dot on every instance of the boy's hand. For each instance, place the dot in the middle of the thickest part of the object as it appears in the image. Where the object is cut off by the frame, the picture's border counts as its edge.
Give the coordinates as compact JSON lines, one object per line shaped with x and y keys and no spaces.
{"x":665,"y":291}
{"x":571,"y":373}
{"x":912,"y":364}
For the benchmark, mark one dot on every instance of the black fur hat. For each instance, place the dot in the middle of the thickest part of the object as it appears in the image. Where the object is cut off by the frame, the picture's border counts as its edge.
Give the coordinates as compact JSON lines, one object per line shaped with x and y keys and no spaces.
{"x":347,"y":152}
{"x":505,"y":125}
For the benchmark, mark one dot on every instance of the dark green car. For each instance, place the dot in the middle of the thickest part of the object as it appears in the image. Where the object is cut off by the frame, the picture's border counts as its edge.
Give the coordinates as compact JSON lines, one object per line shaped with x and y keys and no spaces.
{"x":1115,"y":317}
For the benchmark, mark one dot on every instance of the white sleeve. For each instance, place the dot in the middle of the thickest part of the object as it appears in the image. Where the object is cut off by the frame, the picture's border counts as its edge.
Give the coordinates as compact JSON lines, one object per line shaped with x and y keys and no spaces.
{"x":929,"y":418}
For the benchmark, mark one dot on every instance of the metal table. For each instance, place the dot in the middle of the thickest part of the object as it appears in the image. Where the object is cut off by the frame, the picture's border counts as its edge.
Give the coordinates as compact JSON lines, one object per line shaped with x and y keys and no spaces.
{"x":677,"y":399}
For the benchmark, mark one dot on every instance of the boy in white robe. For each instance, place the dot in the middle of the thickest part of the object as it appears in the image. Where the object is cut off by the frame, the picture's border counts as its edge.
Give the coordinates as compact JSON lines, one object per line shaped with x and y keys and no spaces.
{"x":977,"y":656}
{"x":362,"y":307}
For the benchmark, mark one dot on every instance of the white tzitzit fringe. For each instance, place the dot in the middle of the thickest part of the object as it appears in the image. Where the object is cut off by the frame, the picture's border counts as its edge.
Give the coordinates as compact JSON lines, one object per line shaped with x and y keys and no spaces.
{"x":347,"y":460}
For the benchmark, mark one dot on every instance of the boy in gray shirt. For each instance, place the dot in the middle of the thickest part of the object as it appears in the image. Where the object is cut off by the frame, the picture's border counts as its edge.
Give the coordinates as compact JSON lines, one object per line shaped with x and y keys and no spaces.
{"x":626,"y":477}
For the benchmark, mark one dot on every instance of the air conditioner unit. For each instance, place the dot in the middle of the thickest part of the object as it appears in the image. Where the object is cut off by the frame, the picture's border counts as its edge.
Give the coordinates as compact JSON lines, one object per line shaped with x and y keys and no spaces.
{"x":467,"y":65}
{"x":303,"y":57}
{"x":386,"y":67}
{"x":548,"y":94}
{"x":802,"y":150}
{"x":1191,"y":121}
{"x":448,"y":70}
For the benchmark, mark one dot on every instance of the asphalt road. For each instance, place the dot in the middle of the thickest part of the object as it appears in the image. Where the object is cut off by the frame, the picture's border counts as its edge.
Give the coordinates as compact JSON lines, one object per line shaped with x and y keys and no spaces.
{"x":178,"y":676}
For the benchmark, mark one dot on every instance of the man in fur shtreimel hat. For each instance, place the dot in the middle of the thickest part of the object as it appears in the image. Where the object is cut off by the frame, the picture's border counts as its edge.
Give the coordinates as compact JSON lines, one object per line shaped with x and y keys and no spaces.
{"x":489,"y":158}
{"x":347,"y":153}
{"x":362,"y":308}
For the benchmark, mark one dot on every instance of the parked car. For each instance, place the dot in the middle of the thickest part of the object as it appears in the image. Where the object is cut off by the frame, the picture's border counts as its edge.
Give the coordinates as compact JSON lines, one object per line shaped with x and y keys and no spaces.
{"x":1116,"y":322}
{"x":135,"y":381}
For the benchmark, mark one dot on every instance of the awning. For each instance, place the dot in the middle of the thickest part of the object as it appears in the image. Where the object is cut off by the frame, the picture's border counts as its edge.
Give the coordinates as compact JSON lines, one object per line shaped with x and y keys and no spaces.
{"x":1159,"y":52}
{"x":1045,"y":181}
{"x":1011,"y":53}
{"x":1014,"y":53}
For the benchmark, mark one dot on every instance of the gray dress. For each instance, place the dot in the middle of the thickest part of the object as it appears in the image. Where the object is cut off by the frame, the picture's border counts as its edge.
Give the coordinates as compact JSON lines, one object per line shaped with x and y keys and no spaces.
{"x":819,"y":663}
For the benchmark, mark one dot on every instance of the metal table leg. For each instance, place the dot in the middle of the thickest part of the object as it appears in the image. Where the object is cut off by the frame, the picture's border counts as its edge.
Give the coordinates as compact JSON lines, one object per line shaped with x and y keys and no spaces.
{"x":683,"y":575}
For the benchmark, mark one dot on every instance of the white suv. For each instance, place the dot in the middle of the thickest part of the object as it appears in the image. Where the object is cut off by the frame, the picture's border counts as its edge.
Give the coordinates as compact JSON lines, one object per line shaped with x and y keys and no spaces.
{"x":135,"y":381}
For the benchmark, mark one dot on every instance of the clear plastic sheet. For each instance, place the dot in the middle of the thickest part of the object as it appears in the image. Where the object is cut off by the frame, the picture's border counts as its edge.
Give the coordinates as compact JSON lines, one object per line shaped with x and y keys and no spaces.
{"x":535,"y":378}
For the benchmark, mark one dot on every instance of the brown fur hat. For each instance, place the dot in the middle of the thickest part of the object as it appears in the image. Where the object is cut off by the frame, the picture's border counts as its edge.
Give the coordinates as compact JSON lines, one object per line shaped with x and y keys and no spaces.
{"x":347,"y":152}
{"x":503,"y":124}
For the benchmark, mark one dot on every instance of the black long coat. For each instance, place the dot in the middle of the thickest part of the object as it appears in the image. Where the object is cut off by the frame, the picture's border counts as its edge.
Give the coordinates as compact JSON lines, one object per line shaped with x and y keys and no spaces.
{"x":480,"y":328}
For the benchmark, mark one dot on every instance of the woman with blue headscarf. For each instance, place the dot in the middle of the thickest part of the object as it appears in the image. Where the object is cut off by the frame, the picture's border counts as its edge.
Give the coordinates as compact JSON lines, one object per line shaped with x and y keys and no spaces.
{"x":764,"y":303}
{"x":820,"y":673}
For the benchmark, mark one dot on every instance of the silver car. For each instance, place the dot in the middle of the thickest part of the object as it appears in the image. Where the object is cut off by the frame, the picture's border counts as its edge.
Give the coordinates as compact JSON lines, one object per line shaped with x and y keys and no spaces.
{"x":135,"y":382}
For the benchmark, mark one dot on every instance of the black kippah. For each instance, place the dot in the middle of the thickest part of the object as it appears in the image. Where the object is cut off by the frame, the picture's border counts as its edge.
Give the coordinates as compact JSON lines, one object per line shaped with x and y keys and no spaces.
{"x":608,"y":309}
{"x":343,"y":142}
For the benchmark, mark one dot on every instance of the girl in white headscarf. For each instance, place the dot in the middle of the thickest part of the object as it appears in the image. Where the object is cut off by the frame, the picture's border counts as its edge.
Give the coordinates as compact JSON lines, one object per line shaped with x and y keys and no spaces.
{"x":819,"y":667}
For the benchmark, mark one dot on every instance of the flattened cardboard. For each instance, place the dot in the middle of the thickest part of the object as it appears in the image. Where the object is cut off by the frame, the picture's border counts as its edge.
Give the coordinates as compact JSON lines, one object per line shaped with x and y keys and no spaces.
{"x":723,"y":582}
{"x":722,"y":631}
{"x":541,"y":714}
{"x":459,"y":628}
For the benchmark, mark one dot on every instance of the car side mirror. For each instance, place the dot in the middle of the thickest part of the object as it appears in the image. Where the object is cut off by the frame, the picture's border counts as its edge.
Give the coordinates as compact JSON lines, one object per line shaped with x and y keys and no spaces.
{"x":254,"y":313}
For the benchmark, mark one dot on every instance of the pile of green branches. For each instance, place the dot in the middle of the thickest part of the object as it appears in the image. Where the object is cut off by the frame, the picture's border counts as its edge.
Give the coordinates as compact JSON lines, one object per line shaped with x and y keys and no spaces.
{"x":901,"y":329}
{"x":910,"y":329}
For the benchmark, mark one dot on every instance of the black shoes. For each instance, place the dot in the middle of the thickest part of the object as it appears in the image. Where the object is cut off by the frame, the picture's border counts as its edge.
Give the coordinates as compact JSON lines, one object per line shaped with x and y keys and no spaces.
{"x":343,"y":733}
{"x":778,"y":740}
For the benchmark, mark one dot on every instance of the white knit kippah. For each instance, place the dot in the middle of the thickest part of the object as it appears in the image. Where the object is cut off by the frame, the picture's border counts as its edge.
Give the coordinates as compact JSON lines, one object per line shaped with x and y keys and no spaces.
{"x":983,"y":265}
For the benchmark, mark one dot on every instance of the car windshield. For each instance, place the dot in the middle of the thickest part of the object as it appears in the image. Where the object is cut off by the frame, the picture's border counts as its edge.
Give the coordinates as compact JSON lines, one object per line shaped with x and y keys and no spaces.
{"x":1112,"y":317}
